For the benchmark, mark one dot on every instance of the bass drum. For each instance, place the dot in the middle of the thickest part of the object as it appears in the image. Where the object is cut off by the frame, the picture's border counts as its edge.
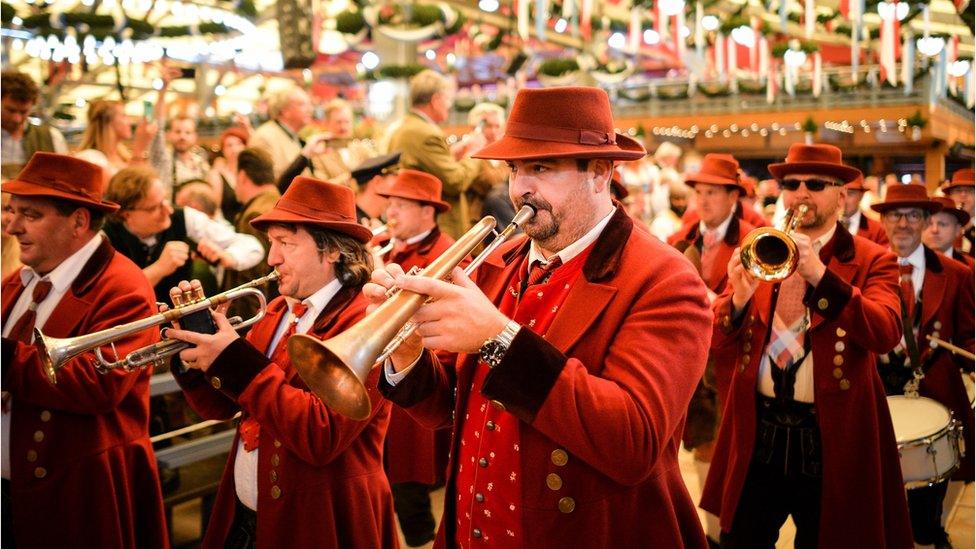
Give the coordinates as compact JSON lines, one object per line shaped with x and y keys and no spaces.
{"x":928,"y":439}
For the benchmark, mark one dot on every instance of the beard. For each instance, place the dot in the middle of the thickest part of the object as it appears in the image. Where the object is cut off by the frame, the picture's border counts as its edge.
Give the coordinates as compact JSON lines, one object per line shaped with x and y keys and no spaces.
{"x":538,"y":229}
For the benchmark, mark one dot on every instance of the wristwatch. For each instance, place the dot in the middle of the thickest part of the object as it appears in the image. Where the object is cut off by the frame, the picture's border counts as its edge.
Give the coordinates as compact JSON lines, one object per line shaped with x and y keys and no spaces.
{"x":493,"y":350}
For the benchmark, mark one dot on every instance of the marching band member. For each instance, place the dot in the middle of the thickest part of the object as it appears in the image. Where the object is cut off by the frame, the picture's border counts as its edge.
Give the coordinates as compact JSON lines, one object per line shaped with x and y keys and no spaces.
{"x":945,"y":228}
{"x":709,"y":245}
{"x":82,"y":445}
{"x":806,"y":430}
{"x":936,"y":300}
{"x":578,"y":360}
{"x":298,"y":475}
{"x":371,"y":177}
{"x":416,"y":456}
{"x":962,"y":189}
{"x":855,"y":221}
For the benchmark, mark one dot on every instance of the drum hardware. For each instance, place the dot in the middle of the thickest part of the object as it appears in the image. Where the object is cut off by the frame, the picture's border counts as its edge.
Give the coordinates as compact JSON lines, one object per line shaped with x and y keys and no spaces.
{"x":336,"y":369}
{"x":770,"y":254}
{"x":929,"y":440}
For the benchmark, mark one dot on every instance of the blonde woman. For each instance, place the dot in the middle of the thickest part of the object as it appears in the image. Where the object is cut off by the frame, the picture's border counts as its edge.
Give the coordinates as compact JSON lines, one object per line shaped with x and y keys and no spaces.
{"x":104,"y":140}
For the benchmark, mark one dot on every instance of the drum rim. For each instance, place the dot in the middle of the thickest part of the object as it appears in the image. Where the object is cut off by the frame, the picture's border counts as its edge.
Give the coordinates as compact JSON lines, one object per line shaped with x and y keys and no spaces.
{"x":919,"y":440}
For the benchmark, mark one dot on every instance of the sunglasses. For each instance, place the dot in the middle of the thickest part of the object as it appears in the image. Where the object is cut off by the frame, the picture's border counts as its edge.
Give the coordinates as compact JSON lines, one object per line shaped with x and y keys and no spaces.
{"x":813,"y":185}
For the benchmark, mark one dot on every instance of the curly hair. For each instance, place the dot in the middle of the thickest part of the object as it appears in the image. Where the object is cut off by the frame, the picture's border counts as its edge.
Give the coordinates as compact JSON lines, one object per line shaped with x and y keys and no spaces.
{"x":19,"y":87}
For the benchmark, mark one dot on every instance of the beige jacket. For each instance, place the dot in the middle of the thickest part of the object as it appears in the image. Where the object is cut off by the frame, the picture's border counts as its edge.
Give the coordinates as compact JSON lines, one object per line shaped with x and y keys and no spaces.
{"x":282,"y":146}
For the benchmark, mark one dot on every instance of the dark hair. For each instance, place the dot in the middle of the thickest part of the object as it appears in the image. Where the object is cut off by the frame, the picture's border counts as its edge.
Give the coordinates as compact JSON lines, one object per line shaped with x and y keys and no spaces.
{"x":19,"y":87}
{"x":66,"y":207}
{"x":177,"y":118}
{"x":355,"y":264}
{"x":257,"y":164}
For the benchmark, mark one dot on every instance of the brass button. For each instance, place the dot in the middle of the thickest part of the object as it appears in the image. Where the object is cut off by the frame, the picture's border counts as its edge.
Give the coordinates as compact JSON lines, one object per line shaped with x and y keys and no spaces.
{"x":215,"y":381}
{"x":40,"y":472}
{"x":46,"y":416}
{"x":937,"y":324}
{"x":838,"y":360}
{"x":31,"y":456}
{"x":567,"y":505}
{"x":935,"y":334}
{"x":742,"y":368}
{"x":822,"y":304}
{"x":747,"y":347}
{"x":479,"y":497}
{"x":839,"y":346}
{"x":490,"y":425}
{"x":277,"y":444}
{"x":553,"y":481}
{"x":498,"y":405}
{"x":726,"y":322}
{"x":845,"y":384}
{"x":752,"y":319}
{"x":841,"y":332}
{"x":748,"y":334}
{"x":559,"y":457}
{"x":838,"y":373}
{"x":275,"y":492}
{"x":476,"y":533}
{"x":38,"y":436}
{"x":483,"y":462}
{"x":274,"y":476}
{"x":746,"y":359}
{"x":275,"y":460}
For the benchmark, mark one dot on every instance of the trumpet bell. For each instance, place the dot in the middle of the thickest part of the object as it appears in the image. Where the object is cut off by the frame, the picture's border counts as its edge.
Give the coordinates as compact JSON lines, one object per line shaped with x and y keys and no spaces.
{"x":326,"y":374}
{"x":769,"y":254}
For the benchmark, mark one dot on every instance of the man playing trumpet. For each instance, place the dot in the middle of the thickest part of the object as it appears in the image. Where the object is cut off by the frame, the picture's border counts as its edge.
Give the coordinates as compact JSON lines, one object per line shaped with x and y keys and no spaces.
{"x":806,"y":429}
{"x":580,"y":345}
{"x":82,"y":445}
{"x":299,"y":475}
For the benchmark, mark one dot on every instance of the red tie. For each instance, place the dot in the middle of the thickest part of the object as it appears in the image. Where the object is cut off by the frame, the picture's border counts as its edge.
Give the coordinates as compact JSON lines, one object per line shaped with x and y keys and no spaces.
{"x":539,"y":272}
{"x":23,"y":330}
{"x":789,"y":305}
{"x":709,"y":251}
{"x":908,"y":288}
{"x":249,"y":427}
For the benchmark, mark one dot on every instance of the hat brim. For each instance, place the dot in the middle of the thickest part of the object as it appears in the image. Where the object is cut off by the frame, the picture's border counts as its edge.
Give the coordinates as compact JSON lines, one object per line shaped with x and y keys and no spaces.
{"x":25,"y":188}
{"x":961,"y":216}
{"x":355,"y":230}
{"x":441,"y":207}
{"x":709,"y":179}
{"x":958,"y":184}
{"x":846,"y":174}
{"x":520,"y":148}
{"x":931,"y":206}
{"x":852,"y":186}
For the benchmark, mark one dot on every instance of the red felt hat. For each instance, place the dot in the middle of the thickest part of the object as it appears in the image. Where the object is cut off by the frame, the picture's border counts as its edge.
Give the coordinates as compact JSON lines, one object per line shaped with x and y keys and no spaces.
{"x":416,"y":185}
{"x":717,"y":169}
{"x":857,"y":184}
{"x":311,"y":201}
{"x":815,"y":159}
{"x":949,"y":207}
{"x":965,"y":177}
{"x":906,"y":196}
{"x":61,"y":176}
{"x":571,"y":122}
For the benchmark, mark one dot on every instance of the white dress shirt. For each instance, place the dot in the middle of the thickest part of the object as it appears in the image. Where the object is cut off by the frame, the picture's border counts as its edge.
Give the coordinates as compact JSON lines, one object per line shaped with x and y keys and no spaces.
{"x":245,"y":249}
{"x":61,"y":278}
{"x":719,"y":231}
{"x":246,"y":463}
{"x":854,"y":222}
{"x":803,"y":386}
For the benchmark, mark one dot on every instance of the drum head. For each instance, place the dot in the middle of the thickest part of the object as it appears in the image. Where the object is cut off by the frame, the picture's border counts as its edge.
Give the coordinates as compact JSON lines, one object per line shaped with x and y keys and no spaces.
{"x":915,"y":418}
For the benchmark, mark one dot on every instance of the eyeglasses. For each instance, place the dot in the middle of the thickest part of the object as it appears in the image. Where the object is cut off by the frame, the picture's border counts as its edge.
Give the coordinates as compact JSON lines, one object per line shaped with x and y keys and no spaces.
{"x":813,"y":185}
{"x":895,"y":216}
{"x":164,"y":204}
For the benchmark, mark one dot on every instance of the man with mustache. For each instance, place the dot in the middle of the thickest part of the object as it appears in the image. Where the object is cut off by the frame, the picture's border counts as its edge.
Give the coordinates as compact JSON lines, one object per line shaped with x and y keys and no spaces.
{"x":580,"y":345}
{"x":936,"y":300}
{"x":806,"y":429}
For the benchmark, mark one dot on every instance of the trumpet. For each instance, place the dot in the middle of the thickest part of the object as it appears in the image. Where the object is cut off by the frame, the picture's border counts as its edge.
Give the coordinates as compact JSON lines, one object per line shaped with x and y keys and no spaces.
{"x":336,"y":369}
{"x":56,"y":352}
{"x":769,"y":254}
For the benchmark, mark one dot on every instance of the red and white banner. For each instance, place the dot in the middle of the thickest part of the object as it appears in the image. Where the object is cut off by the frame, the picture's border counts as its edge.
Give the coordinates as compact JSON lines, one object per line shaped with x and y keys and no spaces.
{"x":889,"y":44}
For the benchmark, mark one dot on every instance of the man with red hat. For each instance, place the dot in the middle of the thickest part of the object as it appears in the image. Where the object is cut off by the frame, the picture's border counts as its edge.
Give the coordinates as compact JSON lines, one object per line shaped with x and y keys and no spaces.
{"x":709,"y":244}
{"x":962,"y":189}
{"x":855,"y":221}
{"x":416,"y":456}
{"x":580,"y":345}
{"x":936,"y":300}
{"x":82,"y":444}
{"x":806,"y":430}
{"x":945,"y":227}
{"x":299,"y":474}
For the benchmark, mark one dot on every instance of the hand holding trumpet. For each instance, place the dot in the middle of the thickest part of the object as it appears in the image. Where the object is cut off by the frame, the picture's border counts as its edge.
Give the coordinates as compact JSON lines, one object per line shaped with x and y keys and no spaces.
{"x":206,"y":347}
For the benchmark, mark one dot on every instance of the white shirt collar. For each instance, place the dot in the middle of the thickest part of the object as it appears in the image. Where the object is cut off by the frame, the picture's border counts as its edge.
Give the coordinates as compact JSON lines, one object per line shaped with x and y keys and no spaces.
{"x":574,"y":249}
{"x":915,"y":259}
{"x":823,"y":239}
{"x":318,"y":301}
{"x":854,"y":222}
{"x":722,"y":228}
{"x":948,"y":252}
{"x":64,"y":274}
{"x":417,"y":238}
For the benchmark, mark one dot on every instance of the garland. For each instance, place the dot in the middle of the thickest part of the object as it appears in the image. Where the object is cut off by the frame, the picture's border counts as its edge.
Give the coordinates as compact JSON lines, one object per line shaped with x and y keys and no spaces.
{"x":102,"y":26}
{"x":558,"y":67}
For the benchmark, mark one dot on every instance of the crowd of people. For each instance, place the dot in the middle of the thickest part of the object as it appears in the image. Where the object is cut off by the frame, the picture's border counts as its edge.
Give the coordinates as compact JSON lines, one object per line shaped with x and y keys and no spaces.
{"x":549,"y":391}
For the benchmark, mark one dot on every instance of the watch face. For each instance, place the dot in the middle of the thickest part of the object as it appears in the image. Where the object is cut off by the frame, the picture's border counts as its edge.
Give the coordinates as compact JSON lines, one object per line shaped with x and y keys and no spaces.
{"x":492,"y":353}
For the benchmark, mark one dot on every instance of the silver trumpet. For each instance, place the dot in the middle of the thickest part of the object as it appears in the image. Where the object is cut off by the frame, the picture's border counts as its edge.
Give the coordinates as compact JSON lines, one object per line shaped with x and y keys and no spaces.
{"x":56,"y":352}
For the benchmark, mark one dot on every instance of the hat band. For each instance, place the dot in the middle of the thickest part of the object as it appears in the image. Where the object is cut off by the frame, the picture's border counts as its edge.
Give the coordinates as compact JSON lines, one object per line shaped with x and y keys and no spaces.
{"x":65,"y":187}
{"x":560,"y":135}
{"x":314,"y":214}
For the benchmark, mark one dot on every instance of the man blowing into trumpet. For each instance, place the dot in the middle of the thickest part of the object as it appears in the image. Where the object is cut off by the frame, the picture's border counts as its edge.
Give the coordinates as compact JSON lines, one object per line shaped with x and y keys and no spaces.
{"x":299,"y":475}
{"x":806,"y":429}
{"x":580,"y":347}
{"x":65,"y":444}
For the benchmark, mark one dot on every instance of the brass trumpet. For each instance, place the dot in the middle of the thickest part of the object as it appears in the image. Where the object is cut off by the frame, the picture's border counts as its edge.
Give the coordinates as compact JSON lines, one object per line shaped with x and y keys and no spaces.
{"x":56,"y":352}
{"x":336,"y":369}
{"x":769,"y":254}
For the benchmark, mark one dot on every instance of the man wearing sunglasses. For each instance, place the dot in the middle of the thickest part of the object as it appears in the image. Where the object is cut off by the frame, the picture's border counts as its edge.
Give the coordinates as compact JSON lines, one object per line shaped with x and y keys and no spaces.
{"x":936,"y":300}
{"x":806,"y":429}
